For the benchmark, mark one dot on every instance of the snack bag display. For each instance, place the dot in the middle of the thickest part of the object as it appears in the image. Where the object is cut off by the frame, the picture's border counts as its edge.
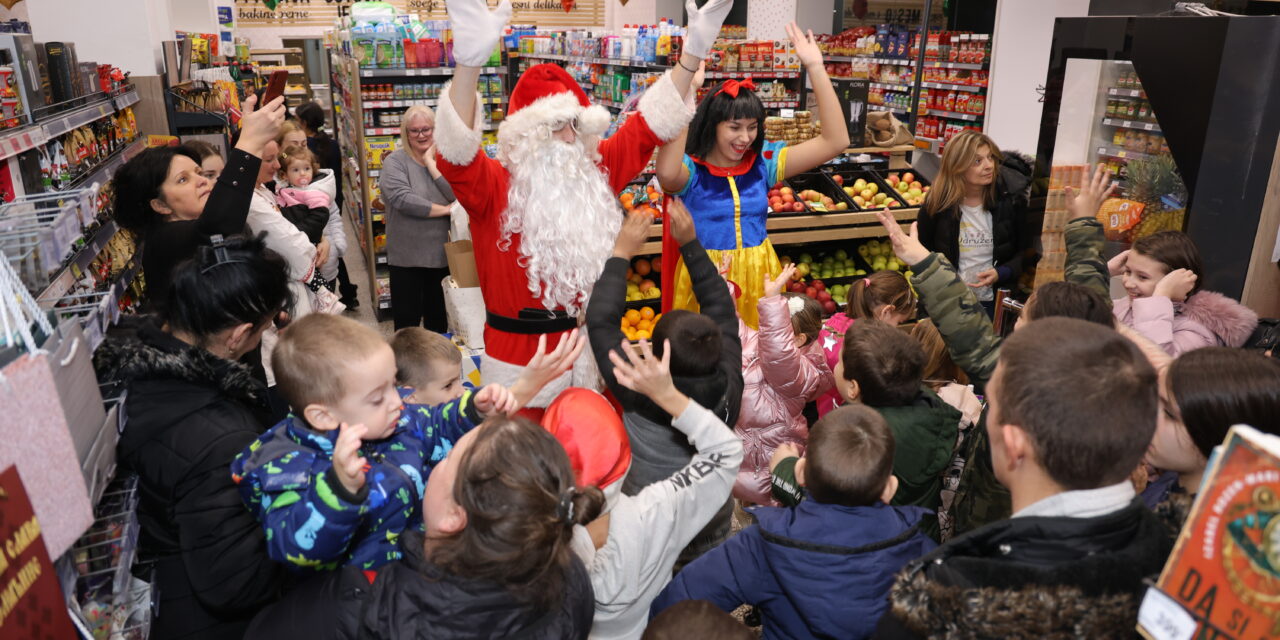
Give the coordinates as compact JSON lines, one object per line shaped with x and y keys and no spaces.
{"x":1118,"y":216}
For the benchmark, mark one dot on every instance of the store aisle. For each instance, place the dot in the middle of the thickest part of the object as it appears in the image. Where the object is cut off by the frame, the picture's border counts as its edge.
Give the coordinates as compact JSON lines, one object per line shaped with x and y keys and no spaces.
{"x":359,"y":274}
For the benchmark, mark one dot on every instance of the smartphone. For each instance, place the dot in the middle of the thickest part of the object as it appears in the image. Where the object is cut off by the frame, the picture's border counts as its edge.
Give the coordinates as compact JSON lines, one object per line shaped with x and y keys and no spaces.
{"x":275,"y":86}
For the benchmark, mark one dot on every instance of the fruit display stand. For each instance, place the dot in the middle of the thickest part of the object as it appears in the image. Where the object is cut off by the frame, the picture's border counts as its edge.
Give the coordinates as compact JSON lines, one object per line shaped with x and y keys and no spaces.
{"x":367,"y":106}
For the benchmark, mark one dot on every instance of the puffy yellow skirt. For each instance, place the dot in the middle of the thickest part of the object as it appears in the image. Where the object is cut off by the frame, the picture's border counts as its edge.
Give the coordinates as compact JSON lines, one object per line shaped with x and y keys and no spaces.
{"x":748,"y":269}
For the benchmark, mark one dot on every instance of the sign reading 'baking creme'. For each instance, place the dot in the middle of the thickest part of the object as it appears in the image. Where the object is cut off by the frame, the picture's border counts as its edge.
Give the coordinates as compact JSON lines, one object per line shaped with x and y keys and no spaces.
{"x":322,"y":13}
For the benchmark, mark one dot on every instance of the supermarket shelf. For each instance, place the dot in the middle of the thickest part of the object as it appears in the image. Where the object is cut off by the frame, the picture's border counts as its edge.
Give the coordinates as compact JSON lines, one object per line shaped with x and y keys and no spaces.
{"x":196,"y":120}
{"x":295,"y":92}
{"x":274,"y":52}
{"x":763,"y":73}
{"x":395,"y":131}
{"x":609,"y":103}
{"x":955,"y":115}
{"x":425,"y":102}
{"x":108,"y":167}
{"x":62,"y":282}
{"x":902,"y":148}
{"x":617,"y":62}
{"x":909,"y":62}
{"x":898,"y":61}
{"x":292,"y":69}
{"x":1117,"y":152}
{"x":26,"y":138}
{"x":426,"y":71}
{"x":890,"y":87}
{"x":380,"y":258}
{"x":880,"y":107}
{"x":1131,"y":124}
{"x":952,"y":87}
{"x":785,"y":104}
{"x":955,"y":65}
{"x":1126,"y":93}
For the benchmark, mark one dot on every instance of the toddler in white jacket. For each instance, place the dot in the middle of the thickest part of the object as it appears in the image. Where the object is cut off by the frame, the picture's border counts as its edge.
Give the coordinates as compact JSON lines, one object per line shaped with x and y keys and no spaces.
{"x":306,"y":183}
{"x":630,"y":551}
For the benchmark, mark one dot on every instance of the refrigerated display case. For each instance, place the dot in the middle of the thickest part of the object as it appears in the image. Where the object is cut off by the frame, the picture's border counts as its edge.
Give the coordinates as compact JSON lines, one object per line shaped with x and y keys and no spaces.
{"x":1178,"y":109}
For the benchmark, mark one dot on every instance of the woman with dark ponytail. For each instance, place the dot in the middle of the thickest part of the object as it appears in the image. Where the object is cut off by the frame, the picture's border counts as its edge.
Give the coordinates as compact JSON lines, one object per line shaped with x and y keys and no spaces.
{"x":191,"y":409}
{"x":495,"y":561}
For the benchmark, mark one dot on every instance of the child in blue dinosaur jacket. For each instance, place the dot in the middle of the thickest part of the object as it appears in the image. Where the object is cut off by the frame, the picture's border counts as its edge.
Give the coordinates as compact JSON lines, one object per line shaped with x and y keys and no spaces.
{"x":342,"y":477}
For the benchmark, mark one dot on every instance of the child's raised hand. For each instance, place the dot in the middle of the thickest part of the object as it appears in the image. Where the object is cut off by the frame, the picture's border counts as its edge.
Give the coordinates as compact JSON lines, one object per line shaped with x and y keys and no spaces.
{"x":495,"y":398}
{"x":1086,"y":203}
{"x":774,"y":286}
{"x":1176,"y":284}
{"x":906,"y":247}
{"x":640,"y":371}
{"x":682,"y":228}
{"x":635,"y":230}
{"x":547,"y":366}
{"x":784,"y":451}
{"x":348,"y":464}
{"x":1116,"y":265}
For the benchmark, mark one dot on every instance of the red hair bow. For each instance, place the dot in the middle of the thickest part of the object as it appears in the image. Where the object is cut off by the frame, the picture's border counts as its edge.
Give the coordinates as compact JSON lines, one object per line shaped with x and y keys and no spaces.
{"x":731,"y":87}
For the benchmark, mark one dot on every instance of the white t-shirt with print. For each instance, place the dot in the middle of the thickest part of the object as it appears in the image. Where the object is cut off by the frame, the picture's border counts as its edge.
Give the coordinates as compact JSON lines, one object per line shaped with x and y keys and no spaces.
{"x":977,"y":247}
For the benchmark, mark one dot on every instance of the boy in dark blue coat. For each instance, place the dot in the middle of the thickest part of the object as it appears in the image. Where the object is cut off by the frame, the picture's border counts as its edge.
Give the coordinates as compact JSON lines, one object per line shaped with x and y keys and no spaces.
{"x":823,"y":568}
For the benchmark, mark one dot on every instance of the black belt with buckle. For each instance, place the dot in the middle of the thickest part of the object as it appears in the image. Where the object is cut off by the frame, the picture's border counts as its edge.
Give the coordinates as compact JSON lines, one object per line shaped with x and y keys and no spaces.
{"x":533,"y":322}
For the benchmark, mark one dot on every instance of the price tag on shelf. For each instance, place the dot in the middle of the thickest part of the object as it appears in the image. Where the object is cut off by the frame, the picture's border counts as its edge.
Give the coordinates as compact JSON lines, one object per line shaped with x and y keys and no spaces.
{"x":788,"y":113}
{"x":1126,"y":124}
{"x":1148,"y":126}
{"x":1163,"y":618}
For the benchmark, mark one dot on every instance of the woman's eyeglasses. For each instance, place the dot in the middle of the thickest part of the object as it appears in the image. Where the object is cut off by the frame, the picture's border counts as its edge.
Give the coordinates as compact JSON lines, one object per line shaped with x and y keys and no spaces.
{"x":418,"y":133}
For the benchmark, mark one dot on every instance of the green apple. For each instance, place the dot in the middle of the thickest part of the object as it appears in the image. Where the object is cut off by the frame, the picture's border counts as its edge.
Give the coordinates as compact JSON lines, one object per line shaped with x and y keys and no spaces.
{"x":841,"y":254}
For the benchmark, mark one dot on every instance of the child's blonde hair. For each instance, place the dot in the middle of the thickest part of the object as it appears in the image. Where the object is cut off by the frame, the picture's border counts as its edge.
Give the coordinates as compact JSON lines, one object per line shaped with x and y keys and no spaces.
{"x":416,"y":350}
{"x":309,"y":360}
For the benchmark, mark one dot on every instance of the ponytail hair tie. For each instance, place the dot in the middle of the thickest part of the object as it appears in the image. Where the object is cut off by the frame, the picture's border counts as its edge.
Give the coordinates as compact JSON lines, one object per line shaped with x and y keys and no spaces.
{"x":795,"y":304}
{"x":564,"y":510}
{"x":866,"y":283}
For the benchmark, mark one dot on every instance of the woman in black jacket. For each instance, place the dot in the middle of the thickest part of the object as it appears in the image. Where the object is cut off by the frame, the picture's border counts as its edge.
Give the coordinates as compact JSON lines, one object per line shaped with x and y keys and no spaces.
{"x":976,"y":213}
{"x":495,"y":561}
{"x":191,"y":408}
{"x":161,"y":197}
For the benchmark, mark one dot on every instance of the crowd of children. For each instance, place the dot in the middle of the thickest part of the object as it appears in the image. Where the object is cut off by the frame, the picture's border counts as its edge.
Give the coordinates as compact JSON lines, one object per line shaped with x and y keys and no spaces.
{"x":937,"y":481}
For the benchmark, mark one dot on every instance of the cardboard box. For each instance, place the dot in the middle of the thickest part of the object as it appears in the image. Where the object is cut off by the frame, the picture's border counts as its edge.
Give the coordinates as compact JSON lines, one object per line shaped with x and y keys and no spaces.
{"x":462,"y":263}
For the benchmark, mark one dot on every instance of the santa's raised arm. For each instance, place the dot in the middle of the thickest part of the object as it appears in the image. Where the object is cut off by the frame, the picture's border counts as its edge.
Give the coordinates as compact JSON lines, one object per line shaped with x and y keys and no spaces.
{"x":545,"y":213}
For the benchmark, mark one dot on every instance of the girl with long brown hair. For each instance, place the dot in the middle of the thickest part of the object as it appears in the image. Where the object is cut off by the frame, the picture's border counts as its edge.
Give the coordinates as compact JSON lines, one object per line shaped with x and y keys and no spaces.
{"x":975,"y":215}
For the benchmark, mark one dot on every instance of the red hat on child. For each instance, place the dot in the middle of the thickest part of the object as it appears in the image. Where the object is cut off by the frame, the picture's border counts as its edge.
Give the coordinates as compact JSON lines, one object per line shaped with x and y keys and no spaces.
{"x":591,"y":432}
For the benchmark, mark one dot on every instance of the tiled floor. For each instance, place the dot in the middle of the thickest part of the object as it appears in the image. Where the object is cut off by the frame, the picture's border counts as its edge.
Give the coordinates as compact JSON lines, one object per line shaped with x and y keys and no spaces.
{"x":359,"y":274}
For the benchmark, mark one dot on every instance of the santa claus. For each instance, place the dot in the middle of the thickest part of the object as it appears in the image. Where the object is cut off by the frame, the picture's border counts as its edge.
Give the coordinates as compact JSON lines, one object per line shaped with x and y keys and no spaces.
{"x":544,"y":213}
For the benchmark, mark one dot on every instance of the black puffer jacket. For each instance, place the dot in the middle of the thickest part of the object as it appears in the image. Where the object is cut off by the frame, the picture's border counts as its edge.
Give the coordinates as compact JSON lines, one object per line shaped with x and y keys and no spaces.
{"x":1010,"y":226}
{"x":412,"y":598}
{"x":1033,"y":577}
{"x":189,"y":414}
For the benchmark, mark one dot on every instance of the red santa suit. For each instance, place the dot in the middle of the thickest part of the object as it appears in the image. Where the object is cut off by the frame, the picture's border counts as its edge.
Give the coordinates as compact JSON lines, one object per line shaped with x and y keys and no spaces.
{"x":519,"y":309}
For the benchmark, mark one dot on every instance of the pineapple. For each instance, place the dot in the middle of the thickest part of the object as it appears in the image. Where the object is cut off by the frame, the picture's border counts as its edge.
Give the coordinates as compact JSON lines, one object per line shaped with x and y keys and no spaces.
{"x":1149,"y":179}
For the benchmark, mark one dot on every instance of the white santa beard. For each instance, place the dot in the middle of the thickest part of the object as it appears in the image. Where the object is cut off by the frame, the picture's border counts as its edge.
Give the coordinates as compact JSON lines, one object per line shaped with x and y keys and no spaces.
{"x":566,"y":215}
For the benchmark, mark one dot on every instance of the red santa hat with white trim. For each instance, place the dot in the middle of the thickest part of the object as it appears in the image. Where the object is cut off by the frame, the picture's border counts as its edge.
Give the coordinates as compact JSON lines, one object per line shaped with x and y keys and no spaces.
{"x":547,"y":94}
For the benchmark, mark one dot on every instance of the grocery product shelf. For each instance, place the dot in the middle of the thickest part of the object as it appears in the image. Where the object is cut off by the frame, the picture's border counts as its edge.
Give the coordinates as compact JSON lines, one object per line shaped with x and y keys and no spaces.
{"x":1131,"y":124}
{"x":425,"y":71}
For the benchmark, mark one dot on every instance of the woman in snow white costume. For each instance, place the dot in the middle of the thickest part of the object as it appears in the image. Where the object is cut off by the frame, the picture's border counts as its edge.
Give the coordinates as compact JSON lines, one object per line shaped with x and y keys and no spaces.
{"x":724,"y":170}
{"x":544,"y":214}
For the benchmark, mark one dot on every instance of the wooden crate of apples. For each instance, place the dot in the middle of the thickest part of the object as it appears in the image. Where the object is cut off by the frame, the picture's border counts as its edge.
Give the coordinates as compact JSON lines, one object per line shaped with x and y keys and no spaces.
{"x":909,"y":188}
{"x":828,"y":277}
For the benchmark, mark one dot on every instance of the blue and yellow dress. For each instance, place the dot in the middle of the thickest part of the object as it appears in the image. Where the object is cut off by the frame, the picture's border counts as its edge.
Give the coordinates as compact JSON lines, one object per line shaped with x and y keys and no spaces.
{"x":730,"y":206}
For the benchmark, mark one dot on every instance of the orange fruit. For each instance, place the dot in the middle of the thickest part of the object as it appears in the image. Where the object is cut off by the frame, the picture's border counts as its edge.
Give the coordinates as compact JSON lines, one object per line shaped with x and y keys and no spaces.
{"x":645,"y":285}
{"x":646,"y":313}
{"x":642,"y":335}
{"x":632,"y":316}
{"x":628,"y":200}
{"x":645,"y":325}
{"x":631,"y":333}
{"x":656,"y":264}
{"x":642,"y":267}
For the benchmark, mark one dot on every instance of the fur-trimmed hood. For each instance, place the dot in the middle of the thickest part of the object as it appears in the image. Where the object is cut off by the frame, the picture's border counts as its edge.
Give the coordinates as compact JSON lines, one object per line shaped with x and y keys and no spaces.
{"x":1229,"y":320}
{"x":1033,"y":577}
{"x":170,"y":381}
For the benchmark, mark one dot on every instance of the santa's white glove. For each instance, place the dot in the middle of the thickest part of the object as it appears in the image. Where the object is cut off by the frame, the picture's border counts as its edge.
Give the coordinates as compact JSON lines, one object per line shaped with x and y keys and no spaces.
{"x":704,"y":25}
{"x":476,"y":29}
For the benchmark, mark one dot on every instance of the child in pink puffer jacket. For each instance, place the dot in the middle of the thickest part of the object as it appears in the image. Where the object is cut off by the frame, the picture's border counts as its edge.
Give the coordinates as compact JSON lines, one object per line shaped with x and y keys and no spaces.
{"x":783,"y":368}
{"x":1161,"y":273}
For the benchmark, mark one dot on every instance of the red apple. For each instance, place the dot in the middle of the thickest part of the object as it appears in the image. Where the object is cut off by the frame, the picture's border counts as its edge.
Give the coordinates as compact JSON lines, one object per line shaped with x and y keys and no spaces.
{"x":819,"y":285}
{"x":797,"y":206}
{"x":786,"y":191}
{"x":776,"y":203}
{"x":811,"y":292}
{"x":788,"y":198}
{"x":823,"y":296}
{"x":797,"y":287}
{"x":829,"y":306}
{"x":838,"y":178}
